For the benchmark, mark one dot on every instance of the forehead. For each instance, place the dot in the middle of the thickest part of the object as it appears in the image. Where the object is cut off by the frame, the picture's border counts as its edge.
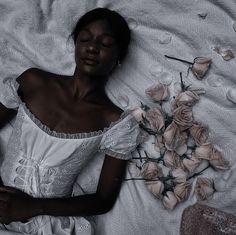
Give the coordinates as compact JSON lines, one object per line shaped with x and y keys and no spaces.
{"x":99,"y":27}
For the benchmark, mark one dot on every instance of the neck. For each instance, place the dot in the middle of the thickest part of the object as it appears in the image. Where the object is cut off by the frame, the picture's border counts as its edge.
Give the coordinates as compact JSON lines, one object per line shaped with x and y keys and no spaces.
{"x":84,"y":85}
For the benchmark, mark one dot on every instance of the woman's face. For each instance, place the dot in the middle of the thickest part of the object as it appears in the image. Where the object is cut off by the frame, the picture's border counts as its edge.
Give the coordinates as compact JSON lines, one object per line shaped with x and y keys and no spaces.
{"x":96,"y":51}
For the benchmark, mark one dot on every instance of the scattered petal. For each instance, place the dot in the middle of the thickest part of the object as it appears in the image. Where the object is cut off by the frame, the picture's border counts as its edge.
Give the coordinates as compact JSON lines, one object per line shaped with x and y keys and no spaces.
{"x":155,"y":187}
{"x":202,"y":15}
{"x":227,"y":55}
{"x":165,"y":38}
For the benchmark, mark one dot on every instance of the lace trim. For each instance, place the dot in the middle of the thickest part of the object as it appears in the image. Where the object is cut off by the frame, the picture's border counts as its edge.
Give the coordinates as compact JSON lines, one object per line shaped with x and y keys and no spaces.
{"x":61,"y":135}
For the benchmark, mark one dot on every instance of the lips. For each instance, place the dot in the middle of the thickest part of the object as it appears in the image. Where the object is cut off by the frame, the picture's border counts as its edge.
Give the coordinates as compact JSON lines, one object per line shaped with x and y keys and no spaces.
{"x":90,"y":61}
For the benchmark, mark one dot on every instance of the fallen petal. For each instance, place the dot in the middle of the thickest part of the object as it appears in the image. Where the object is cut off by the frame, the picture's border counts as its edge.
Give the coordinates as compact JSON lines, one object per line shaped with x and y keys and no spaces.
{"x":227,"y":55}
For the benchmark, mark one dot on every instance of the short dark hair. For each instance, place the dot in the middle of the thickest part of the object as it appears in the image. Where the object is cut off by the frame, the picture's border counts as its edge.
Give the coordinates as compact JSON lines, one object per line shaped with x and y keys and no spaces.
{"x":116,"y":22}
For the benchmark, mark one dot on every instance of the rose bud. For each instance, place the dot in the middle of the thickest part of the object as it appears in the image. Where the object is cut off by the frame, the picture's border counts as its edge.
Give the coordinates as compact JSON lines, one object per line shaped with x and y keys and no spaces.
{"x":151,"y":170}
{"x":188,"y":98}
{"x":155,"y":119}
{"x":191,"y":164}
{"x":155,"y":187}
{"x":182,"y":191}
{"x":138,"y":114}
{"x":170,"y":135}
{"x":204,"y":151}
{"x":199,"y":133}
{"x":180,"y":176}
{"x":200,"y":66}
{"x":183,"y":117}
{"x":171,"y":159}
{"x":204,"y":188}
{"x":217,"y":161}
{"x":158,"y":92}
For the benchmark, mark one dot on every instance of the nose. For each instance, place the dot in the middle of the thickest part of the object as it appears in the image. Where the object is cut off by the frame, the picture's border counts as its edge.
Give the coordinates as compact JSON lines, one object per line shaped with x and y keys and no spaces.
{"x":92,"y":47}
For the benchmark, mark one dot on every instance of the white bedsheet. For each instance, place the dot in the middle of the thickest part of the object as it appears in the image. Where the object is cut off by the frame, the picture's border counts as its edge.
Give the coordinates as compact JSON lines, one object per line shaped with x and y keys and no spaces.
{"x":35,"y":34}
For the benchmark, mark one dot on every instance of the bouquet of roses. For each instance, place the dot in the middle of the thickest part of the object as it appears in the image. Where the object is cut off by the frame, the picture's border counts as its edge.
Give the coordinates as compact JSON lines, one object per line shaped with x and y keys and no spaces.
{"x":182,"y":145}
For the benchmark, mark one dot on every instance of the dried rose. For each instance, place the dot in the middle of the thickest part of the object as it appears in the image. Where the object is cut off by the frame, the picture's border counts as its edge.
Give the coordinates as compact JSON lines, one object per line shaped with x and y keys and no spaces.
{"x":169,"y":200}
{"x":158,"y":92}
{"x":183,"y":117}
{"x":188,"y":98}
{"x":191,"y":164}
{"x":151,"y":170}
{"x":180,"y":176}
{"x":155,"y":187}
{"x":199,"y":133}
{"x":204,"y":151}
{"x":170,"y":135}
{"x":217,"y":161}
{"x":171,"y":159}
{"x":200,"y":66}
{"x":182,"y":191}
{"x":155,"y":119}
{"x":204,"y":188}
{"x":138,"y":114}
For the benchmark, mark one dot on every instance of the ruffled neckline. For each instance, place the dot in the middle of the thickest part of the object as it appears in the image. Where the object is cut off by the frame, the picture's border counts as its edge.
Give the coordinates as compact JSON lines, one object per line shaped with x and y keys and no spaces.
{"x":62,"y":135}
{"x":81,"y":135}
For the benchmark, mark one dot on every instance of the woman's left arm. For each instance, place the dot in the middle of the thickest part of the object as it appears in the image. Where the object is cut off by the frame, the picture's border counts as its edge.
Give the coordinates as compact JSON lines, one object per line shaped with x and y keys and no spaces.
{"x":18,"y":206}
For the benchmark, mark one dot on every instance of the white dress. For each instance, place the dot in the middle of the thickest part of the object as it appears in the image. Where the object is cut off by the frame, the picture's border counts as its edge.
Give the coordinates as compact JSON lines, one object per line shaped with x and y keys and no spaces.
{"x":45,"y":164}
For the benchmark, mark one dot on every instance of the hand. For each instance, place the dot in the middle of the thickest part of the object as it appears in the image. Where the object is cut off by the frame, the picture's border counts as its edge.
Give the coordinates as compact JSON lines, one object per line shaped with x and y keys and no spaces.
{"x":15,"y":205}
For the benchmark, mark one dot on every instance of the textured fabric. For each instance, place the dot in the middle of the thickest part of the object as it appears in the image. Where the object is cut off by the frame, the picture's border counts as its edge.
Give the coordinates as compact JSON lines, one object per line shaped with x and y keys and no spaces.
{"x":200,"y":219}
{"x":35,"y":34}
{"x":45,"y":164}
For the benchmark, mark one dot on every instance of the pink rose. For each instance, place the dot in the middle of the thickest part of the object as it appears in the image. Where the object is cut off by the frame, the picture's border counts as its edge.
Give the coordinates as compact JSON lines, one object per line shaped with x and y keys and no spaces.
{"x":180,"y":176}
{"x":158,"y":92}
{"x":204,"y":151}
{"x":204,"y":188}
{"x":191,"y":164}
{"x":188,"y":98}
{"x":217,"y":161}
{"x":170,"y":135}
{"x":199,"y":133}
{"x":155,"y":119}
{"x":183,"y":117}
{"x":182,"y":191}
{"x":155,"y":187}
{"x":169,"y":200}
{"x":200,"y":66}
{"x":138,"y":114}
{"x":171,"y":159}
{"x":151,"y":170}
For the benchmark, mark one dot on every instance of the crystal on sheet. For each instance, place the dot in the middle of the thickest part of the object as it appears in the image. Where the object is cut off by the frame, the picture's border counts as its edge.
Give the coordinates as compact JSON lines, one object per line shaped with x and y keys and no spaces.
{"x":215,"y":81}
{"x":231,"y":95}
{"x":165,"y":78}
{"x":132,"y":23}
{"x":155,"y":70}
{"x":165,"y":38}
{"x":123,"y":100}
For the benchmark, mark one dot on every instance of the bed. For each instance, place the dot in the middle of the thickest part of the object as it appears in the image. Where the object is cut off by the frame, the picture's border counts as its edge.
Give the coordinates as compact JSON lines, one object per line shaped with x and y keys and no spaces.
{"x":36,"y":34}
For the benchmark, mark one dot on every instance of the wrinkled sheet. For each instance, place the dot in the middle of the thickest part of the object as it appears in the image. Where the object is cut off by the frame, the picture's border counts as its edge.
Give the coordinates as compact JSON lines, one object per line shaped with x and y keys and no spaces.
{"x":36,"y":34}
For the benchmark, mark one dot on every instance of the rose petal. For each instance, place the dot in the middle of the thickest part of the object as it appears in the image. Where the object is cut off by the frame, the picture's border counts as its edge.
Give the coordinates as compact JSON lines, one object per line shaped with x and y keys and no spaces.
{"x":170,"y":201}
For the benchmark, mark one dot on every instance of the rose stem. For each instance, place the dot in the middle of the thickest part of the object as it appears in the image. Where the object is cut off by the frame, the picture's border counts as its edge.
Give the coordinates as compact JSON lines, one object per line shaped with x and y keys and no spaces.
{"x":173,"y":58}
{"x":198,"y":173}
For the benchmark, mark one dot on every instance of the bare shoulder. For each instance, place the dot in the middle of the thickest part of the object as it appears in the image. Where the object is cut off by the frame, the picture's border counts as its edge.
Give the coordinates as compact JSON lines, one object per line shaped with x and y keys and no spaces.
{"x":112,"y":114}
{"x":30,"y":80}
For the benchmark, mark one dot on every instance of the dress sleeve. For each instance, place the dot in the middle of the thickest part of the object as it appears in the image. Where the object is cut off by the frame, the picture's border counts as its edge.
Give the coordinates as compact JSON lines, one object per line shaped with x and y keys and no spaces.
{"x":8,"y":93}
{"x":121,"y":139}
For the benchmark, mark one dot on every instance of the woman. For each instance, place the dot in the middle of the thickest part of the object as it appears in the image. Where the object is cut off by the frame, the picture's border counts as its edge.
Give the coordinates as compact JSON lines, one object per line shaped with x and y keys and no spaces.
{"x":61,"y":122}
